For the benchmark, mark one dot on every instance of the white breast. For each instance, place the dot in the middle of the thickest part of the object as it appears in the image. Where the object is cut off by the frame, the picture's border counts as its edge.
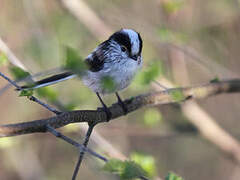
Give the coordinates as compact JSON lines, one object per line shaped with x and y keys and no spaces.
{"x":121,"y":73}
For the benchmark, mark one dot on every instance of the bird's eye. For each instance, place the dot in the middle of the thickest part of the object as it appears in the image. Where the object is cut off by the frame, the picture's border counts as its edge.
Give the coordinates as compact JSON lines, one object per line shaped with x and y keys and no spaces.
{"x":123,"y":48}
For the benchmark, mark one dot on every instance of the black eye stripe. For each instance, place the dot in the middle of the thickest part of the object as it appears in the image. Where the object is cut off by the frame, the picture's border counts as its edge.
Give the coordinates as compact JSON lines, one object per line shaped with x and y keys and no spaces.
{"x":122,"y":39}
{"x":140,"y":44}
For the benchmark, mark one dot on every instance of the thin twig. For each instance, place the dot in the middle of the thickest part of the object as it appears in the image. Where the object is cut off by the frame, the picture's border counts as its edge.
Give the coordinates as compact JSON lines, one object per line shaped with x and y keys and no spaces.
{"x":160,"y":85}
{"x":81,"y":155}
{"x":32,"y":98}
{"x":10,"y":81}
{"x":74,"y":143}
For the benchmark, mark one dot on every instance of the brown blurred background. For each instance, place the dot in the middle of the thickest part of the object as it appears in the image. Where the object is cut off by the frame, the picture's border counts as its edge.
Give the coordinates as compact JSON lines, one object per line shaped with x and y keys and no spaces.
{"x":194,"y":41}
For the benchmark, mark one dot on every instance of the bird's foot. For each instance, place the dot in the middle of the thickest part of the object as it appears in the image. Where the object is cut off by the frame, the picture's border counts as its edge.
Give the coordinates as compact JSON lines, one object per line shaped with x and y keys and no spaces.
{"x":124,"y":107}
{"x":107,"y":111}
{"x":121,"y":103}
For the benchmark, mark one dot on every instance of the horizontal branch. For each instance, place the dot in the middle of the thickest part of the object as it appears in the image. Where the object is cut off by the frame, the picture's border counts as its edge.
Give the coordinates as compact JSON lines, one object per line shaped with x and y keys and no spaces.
{"x":132,"y":104}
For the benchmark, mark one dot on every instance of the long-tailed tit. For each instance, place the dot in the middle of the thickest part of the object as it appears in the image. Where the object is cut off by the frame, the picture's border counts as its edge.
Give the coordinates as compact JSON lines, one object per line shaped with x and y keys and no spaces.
{"x":119,"y":58}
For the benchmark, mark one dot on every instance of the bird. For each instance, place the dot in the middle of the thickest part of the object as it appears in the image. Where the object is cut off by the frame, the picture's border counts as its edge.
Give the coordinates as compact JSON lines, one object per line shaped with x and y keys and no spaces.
{"x":118,"y":58}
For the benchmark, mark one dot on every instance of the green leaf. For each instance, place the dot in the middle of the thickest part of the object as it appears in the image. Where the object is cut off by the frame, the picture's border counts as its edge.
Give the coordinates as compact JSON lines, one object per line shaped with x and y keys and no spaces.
{"x":3,"y":59}
{"x":26,"y":93}
{"x":108,"y":83}
{"x":177,"y":95}
{"x":74,"y":61}
{"x":173,"y":176}
{"x":152,"y":117}
{"x":215,"y":80}
{"x":48,"y":93}
{"x":150,"y":74}
{"x":131,"y":170}
{"x":146,"y":162}
{"x":125,"y":169}
{"x":114,"y":166}
{"x":18,"y":73}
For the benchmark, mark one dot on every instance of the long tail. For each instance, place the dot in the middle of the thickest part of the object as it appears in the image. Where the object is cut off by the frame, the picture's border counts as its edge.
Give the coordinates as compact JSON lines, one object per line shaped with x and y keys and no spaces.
{"x":50,"y":80}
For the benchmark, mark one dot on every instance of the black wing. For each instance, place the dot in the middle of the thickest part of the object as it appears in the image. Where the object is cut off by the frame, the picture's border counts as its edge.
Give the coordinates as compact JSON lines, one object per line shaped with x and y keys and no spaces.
{"x":96,"y":62}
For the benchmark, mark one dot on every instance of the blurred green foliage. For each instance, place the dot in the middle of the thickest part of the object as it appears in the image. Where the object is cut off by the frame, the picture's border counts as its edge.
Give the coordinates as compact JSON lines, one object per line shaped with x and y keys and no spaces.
{"x":3,"y":59}
{"x":71,"y":106}
{"x":26,"y":93}
{"x":125,"y":169}
{"x":177,"y":95}
{"x":215,"y":80}
{"x":168,"y":35}
{"x":18,"y":73}
{"x":108,"y":83}
{"x":47,"y":92}
{"x":74,"y":61}
{"x":173,"y":176}
{"x":7,"y":142}
{"x":172,"y":6}
{"x":152,"y":117}
{"x":150,"y":73}
{"x":146,"y":162}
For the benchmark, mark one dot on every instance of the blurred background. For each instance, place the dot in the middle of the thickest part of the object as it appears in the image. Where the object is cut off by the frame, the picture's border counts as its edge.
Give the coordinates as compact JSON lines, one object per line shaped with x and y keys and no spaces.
{"x":186,"y":42}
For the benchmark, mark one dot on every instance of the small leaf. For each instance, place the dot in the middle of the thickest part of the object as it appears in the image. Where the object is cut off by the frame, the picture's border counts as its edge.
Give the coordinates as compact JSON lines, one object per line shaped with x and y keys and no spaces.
{"x":74,"y":61}
{"x":114,"y":166}
{"x":146,"y":162}
{"x":48,"y":93}
{"x":125,"y":169}
{"x":173,"y":176}
{"x":18,"y":73}
{"x":3,"y":59}
{"x":215,"y":80}
{"x":152,"y":117}
{"x":131,"y":170}
{"x":108,"y":83}
{"x":177,"y":95}
{"x":26,"y":93}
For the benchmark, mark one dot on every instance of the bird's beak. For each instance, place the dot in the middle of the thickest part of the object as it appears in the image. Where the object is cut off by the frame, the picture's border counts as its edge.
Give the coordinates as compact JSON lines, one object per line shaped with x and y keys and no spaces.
{"x":135,"y":57}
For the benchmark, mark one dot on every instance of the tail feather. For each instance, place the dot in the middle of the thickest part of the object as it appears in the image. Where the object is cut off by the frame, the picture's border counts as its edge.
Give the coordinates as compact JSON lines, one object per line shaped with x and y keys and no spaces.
{"x":49,"y":81}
